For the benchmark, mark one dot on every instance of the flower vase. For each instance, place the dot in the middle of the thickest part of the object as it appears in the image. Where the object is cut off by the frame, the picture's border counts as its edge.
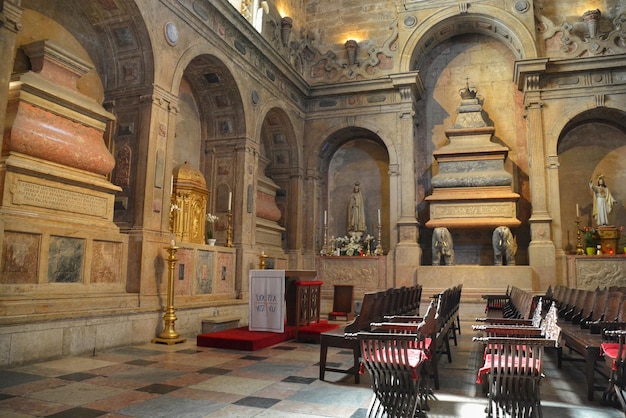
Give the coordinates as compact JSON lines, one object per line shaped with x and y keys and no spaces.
{"x":590,"y":250}
{"x":211,"y":241}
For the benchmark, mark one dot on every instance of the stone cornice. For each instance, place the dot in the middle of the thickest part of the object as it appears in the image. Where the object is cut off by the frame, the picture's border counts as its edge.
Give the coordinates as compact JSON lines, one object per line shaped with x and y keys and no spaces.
{"x":562,"y":77}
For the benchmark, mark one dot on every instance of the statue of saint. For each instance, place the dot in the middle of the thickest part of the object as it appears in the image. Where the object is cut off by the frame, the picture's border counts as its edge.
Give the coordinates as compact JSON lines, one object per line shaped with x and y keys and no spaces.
{"x":602,"y":201}
{"x":356,"y":213}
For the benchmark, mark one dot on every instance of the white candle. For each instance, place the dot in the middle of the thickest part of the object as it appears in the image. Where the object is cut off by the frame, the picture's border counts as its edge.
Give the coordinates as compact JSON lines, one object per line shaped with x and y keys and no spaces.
{"x":577,"y":211}
{"x":172,"y":243}
{"x":230,"y":201}
{"x":325,"y":218}
{"x":171,"y":184}
{"x":378,"y":216}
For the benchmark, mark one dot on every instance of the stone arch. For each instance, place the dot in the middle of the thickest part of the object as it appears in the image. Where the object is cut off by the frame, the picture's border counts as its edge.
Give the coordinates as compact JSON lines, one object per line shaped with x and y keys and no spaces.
{"x":335,"y":136}
{"x":218,"y":95}
{"x":121,"y":51}
{"x":447,"y":23}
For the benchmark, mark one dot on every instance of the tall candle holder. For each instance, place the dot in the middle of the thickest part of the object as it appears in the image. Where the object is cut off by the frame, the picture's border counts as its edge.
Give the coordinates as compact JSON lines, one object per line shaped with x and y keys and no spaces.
{"x":579,"y":243}
{"x":379,"y":246}
{"x":229,"y":230}
{"x":325,"y":249}
{"x":169,"y":335}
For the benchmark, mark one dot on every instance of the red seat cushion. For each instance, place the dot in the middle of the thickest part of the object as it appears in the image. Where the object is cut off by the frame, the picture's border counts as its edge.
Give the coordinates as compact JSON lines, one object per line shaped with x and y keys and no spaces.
{"x":610,"y":352}
{"x":509,"y":364}
{"x":415,"y":357}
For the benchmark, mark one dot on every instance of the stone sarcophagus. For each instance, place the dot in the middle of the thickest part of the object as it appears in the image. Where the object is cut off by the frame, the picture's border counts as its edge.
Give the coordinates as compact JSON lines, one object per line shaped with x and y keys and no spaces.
{"x":472,"y":188}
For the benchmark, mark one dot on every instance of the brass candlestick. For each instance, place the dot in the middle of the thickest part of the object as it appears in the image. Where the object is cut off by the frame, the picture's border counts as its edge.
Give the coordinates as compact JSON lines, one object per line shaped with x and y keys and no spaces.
{"x":325,"y":249}
{"x":262,"y":258}
{"x":229,"y":230}
{"x":579,"y":243}
{"x":379,"y":246}
{"x":169,"y":335}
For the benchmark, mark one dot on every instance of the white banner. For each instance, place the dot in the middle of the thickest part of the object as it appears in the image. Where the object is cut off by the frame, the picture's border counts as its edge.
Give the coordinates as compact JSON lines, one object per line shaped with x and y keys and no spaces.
{"x":267,"y":300}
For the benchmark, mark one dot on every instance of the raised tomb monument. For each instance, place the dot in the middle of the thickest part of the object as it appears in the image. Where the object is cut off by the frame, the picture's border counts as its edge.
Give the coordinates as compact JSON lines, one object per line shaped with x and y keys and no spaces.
{"x":61,"y":250}
{"x":472,"y":189}
{"x":472,"y":196}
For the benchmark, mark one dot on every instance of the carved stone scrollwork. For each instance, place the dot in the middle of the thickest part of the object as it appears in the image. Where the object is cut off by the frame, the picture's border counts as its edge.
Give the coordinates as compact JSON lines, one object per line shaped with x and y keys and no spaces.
{"x":329,"y":68}
{"x":583,"y":38}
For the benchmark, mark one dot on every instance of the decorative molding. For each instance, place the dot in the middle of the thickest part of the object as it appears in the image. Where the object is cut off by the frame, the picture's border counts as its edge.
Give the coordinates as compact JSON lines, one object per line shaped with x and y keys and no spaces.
{"x":580,"y":39}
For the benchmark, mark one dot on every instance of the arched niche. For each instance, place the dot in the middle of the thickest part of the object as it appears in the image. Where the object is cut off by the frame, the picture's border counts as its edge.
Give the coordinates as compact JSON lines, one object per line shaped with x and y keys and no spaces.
{"x":354,"y":155}
{"x":591,"y":143}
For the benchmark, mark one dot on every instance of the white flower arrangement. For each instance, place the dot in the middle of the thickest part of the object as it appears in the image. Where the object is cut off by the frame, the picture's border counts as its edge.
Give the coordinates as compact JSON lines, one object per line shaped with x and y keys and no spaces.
{"x":352,"y":245}
{"x":210,"y":219}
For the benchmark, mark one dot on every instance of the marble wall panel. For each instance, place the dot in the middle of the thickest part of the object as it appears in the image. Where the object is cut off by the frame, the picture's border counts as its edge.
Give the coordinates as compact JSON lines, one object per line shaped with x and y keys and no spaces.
{"x":66,"y":258}
{"x":225,"y":280}
{"x":20,"y":258}
{"x":205,"y":270}
{"x":183,"y":272}
{"x":105,"y":265}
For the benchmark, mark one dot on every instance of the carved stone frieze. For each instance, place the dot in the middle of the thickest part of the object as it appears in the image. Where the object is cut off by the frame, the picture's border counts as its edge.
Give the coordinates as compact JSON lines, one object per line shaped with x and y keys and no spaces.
{"x":592,"y":272}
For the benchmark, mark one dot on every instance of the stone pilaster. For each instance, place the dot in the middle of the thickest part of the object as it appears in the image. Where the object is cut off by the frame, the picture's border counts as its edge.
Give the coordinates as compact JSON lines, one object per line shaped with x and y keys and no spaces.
{"x":408,"y":253}
{"x":541,"y":251}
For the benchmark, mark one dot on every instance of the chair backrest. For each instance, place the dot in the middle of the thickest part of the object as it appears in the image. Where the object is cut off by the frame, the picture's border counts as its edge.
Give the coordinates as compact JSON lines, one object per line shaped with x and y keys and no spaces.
{"x":366,"y":316}
{"x":590,"y":297}
{"x":599,"y":304}
{"x":613,"y":302}
{"x":511,"y":358}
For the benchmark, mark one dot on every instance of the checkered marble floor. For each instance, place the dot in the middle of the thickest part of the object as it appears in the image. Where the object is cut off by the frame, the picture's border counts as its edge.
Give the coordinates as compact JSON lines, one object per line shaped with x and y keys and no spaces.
{"x":184,"y":380}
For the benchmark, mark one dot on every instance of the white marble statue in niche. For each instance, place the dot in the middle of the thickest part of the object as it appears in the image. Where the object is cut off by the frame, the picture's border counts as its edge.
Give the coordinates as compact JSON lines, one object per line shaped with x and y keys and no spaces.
{"x":602,"y":201}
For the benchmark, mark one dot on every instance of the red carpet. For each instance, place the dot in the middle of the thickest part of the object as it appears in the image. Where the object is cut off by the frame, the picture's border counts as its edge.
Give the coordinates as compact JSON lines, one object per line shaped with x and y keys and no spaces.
{"x":311,"y":333}
{"x":244,"y":339}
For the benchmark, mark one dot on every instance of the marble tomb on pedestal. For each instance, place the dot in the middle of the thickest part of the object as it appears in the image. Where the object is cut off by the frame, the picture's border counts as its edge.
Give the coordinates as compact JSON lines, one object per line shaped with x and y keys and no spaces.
{"x":472,"y":189}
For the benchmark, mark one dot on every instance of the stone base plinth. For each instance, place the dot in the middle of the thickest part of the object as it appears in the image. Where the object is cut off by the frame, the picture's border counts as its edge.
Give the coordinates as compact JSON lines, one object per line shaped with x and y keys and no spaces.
{"x":476,"y":280}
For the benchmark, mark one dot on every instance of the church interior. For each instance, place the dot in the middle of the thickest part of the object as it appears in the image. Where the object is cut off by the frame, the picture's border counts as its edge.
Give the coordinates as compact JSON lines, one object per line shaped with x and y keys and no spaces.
{"x":379,"y":144}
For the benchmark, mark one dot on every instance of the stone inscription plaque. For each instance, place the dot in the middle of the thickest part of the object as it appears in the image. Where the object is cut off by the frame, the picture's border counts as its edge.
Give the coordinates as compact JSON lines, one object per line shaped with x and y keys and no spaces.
{"x":39,"y":195}
{"x":492,"y":210}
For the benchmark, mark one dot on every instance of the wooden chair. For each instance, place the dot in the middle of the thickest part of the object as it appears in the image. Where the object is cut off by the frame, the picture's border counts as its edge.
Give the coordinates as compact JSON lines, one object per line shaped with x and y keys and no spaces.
{"x":371,"y":311}
{"x":342,"y":302}
{"x":514,"y":369}
{"x":396,"y":356}
{"x":615,"y":355}
{"x":512,"y":385}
